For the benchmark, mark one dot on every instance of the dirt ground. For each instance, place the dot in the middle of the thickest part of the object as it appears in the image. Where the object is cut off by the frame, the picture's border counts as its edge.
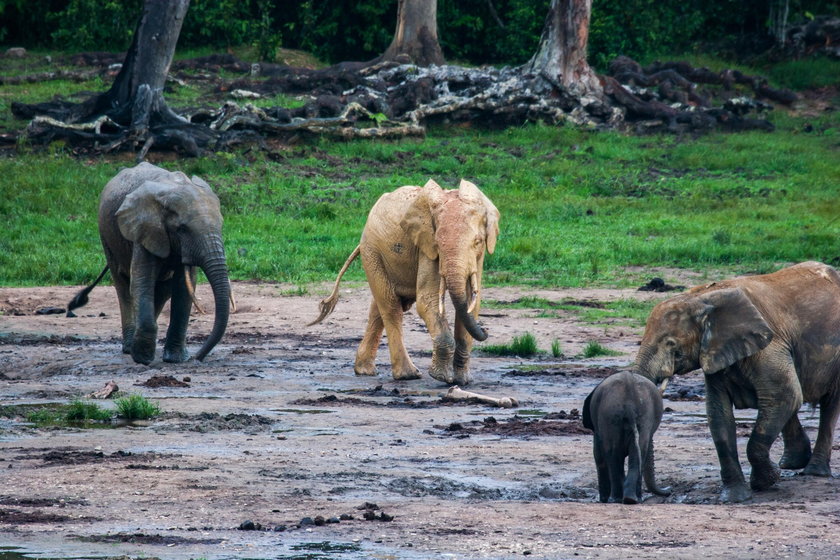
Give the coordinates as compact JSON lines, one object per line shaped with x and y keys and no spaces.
{"x":274,"y":433}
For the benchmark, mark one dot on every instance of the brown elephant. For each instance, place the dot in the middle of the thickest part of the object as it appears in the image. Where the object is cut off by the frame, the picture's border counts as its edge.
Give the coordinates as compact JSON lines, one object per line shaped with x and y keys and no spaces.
{"x":418,"y":243}
{"x":156,"y":226}
{"x":769,"y":342}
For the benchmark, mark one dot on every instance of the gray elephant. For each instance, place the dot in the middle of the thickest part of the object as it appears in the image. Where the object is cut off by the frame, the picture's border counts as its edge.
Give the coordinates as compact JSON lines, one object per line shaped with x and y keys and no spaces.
{"x":418,"y":243}
{"x":769,"y":342}
{"x":156,"y":226}
{"x":624,"y":411}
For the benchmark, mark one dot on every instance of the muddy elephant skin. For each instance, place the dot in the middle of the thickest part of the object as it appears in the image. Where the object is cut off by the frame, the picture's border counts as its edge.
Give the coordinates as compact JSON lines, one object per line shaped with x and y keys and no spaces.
{"x":156,"y":226}
{"x":770,"y":342}
{"x":624,"y":411}
{"x":419,"y":243}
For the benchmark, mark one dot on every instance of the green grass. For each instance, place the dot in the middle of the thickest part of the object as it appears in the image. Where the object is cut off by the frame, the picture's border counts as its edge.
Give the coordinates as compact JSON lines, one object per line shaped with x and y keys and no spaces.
{"x":523,"y":346}
{"x":595,"y":349}
{"x":578,"y":207}
{"x":136,"y":407}
{"x":556,"y":349}
{"x":78,"y":413}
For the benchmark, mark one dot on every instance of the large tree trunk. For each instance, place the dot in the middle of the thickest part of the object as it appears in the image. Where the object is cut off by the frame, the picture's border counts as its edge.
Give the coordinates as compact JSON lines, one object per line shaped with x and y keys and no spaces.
{"x":137,"y":92}
{"x":561,"y":55}
{"x":416,"y":34}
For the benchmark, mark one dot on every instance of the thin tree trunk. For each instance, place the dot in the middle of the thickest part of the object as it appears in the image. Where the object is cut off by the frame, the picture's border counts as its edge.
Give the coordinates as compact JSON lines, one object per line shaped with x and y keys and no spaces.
{"x":416,"y":34}
{"x":561,"y":55}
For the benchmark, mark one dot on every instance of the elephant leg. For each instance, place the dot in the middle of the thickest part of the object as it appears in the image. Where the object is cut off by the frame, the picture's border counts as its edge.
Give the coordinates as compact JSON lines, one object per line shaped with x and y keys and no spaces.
{"x":175,"y":347}
{"x":443,"y":345}
{"x":797,"y":445}
{"x":601,"y":467}
{"x":819,"y":465}
{"x":123,"y":288}
{"x":779,"y":397}
{"x":366,"y":354}
{"x":615,"y":468}
{"x":722,"y":427}
{"x":144,"y":273}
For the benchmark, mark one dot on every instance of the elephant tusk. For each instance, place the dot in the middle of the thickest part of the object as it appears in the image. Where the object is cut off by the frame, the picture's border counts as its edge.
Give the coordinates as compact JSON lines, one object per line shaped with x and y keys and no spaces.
{"x":663,"y":385}
{"x":441,"y":295}
{"x":232,"y":300}
{"x":474,"y":296}
{"x":191,"y":289}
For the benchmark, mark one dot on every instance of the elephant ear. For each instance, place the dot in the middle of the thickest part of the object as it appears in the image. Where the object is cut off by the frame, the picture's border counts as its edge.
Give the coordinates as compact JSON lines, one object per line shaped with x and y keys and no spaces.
{"x":732,"y":329}
{"x":140,"y":218}
{"x":468,"y":191}
{"x":418,"y":221}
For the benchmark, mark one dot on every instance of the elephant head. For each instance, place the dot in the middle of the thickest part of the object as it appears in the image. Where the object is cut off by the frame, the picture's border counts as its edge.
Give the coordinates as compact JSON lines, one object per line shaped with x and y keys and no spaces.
{"x":455,"y":228}
{"x":181,"y":219}
{"x":710,"y":330}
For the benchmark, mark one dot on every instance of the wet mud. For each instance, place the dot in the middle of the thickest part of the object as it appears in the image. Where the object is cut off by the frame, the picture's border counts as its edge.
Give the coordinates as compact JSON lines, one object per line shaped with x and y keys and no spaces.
{"x":273,"y":448}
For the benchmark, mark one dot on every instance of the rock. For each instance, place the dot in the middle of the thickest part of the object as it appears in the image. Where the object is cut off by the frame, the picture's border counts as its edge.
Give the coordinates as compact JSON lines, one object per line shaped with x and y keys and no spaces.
{"x":249,"y":526}
{"x":16,"y":52}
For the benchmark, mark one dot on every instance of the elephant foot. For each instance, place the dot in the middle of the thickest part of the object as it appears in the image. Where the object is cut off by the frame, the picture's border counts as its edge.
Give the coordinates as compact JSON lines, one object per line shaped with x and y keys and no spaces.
{"x":462,"y":377}
{"x":735,"y":493}
{"x":142,"y":357}
{"x":365,"y":367}
{"x":762,"y":478}
{"x":795,"y":459}
{"x":175,"y":356}
{"x":631,"y":500}
{"x":406,"y":374}
{"x":817,"y":468}
{"x":443,"y":373}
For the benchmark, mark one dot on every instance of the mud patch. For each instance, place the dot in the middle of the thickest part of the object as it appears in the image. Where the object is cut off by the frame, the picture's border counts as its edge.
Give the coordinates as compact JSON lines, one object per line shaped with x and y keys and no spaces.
{"x":142,"y":538}
{"x":571,"y":370}
{"x":552,"y":424}
{"x":214,"y":422}
{"x":41,"y":502}
{"x":56,"y":457}
{"x":156,"y":381}
{"x":20,"y":517}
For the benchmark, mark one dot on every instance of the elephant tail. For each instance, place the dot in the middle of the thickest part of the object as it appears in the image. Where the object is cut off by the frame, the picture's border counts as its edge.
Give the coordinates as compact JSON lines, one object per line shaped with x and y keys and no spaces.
{"x":327,"y":305}
{"x":81,"y":298}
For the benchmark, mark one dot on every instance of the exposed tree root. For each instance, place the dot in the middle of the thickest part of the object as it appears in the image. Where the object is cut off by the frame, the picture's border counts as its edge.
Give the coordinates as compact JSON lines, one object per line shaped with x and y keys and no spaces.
{"x":391,"y":99}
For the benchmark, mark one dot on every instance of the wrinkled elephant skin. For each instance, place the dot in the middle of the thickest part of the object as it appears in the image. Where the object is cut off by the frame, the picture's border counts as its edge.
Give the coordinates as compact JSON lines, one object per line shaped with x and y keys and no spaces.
{"x":770,"y":342}
{"x":156,"y":226}
{"x":624,"y":411}
{"x":419,"y":243}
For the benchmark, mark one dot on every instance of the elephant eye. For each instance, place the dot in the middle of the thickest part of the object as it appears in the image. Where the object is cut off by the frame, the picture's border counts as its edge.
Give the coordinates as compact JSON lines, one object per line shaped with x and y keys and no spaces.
{"x":182,"y":228}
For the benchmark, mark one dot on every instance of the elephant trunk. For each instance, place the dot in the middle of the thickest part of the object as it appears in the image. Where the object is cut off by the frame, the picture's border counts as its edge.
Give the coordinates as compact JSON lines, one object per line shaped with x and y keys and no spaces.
{"x":459,"y":286}
{"x":215,"y":268}
{"x":654,"y":366}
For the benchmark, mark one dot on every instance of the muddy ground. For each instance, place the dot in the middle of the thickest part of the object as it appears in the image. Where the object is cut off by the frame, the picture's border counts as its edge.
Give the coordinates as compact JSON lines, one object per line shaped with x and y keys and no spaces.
{"x":274,"y":433}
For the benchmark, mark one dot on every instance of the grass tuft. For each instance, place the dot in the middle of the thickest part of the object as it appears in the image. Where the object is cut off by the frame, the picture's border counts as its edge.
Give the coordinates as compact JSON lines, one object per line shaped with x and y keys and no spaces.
{"x":136,"y":407}
{"x":594,"y":349}
{"x":556,"y":350}
{"x":525,"y":345}
{"x":84,"y":411}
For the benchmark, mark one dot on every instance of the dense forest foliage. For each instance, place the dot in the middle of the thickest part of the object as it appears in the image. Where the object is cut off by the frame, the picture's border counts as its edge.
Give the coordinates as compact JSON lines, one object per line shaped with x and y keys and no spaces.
{"x":472,"y":31}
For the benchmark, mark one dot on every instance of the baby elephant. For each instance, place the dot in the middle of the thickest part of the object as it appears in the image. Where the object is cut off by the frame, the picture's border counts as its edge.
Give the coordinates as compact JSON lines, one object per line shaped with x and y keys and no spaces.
{"x":624,"y":411}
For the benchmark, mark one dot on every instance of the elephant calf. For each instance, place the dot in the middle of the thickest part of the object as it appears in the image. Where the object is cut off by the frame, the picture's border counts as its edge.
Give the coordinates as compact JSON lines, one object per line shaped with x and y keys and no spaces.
{"x":156,"y":226}
{"x":418,"y":243}
{"x":624,"y":411}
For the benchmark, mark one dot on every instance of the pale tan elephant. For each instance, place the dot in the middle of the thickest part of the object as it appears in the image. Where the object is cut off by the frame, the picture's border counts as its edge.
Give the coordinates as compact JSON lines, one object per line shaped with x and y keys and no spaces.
{"x":419,"y":243}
